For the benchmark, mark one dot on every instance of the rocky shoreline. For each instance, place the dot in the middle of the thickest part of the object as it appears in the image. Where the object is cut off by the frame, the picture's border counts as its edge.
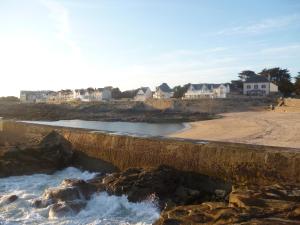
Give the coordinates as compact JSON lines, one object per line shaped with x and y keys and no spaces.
{"x":135,"y":112}
{"x":183,"y":197}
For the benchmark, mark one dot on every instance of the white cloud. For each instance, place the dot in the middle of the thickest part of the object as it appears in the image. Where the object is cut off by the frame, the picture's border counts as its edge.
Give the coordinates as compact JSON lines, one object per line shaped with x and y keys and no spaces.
{"x":263,"y":26}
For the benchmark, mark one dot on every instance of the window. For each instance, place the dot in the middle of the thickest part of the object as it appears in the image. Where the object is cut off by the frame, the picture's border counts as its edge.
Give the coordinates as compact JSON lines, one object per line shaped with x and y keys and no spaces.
{"x":248,"y":86}
{"x":255,"y":86}
{"x":263,"y":86}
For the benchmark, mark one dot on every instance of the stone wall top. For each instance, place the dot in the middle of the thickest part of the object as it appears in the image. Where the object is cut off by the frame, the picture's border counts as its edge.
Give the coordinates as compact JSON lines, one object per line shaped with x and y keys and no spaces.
{"x":238,"y":163}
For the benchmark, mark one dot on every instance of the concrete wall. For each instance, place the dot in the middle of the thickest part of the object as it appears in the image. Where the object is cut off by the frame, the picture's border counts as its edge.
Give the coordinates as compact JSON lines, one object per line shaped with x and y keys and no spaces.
{"x":239,"y":163}
{"x":273,"y":87}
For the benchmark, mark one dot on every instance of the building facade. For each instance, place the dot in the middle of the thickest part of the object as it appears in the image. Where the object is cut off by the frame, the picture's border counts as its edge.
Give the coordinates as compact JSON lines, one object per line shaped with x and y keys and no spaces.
{"x":93,"y":94}
{"x":196,"y":91}
{"x":163,"y":92}
{"x":34,"y":96}
{"x":143,"y":94}
{"x":259,"y":86}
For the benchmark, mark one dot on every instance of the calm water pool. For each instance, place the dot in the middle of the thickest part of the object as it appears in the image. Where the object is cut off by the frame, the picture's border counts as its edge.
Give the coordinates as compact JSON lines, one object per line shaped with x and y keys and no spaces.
{"x":134,"y":128}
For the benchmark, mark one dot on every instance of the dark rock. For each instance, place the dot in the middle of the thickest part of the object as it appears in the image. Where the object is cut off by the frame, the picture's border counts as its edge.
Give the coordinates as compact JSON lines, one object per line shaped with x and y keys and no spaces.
{"x":247,"y":205}
{"x":165,"y":183}
{"x":53,"y":153}
{"x":8,"y":199}
{"x":172,"y":222}
{"x":56,"y":148}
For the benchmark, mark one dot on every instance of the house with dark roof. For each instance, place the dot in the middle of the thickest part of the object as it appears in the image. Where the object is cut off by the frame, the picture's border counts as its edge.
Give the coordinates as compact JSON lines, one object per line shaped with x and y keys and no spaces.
{"x":143,"y":94}
{"x":204,"y":90}
{"x":163,"y":91}
{"x":259,"y":86}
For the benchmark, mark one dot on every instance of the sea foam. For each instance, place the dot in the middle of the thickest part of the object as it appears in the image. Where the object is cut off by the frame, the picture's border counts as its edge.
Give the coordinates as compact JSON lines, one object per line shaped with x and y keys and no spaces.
{"x":102,"y":209}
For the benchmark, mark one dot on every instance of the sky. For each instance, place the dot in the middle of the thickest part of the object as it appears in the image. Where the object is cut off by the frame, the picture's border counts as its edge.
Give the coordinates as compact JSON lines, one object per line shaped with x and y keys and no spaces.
{"x":60,"y":44}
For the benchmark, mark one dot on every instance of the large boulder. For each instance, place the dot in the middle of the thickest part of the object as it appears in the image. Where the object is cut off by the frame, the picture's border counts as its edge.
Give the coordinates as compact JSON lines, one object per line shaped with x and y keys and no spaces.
{"x":67,"y":199}
{"x":68,"y":191}
{"x":165,"y":184}
{"x":274,"y":204}
{"x":63,"y":209}
{"x":8,"y":199}
{"x":53,"y":153}
{"x":56,"y":148}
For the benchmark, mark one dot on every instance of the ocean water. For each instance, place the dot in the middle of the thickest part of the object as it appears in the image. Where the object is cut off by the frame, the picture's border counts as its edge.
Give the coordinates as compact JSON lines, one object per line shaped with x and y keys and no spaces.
{"x":131,"y":128}
{"x":102,"y":209}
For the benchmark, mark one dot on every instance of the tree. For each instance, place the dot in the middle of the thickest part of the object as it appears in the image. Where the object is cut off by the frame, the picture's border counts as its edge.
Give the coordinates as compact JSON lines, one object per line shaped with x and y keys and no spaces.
{"x":246,"y":74}
{"x":236,"y":86}
{"x":116,"y":93}
{"x":297,"y":84}
{"x":180,"y":91}
{"x":280,"y":77}
{"x":9,"y":99}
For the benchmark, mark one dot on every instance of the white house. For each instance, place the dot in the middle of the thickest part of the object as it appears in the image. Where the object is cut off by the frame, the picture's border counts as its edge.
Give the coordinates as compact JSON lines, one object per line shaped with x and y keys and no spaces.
{"x":196,"y":91}
{"x":259,"y":86}
{"x":79,"y":94}
{"x":65,"y":95}
{"x":93,"y":94}
{"x":163,"y":92}
{"x":52,"y":97}
{"x":34,"y":96}
{"x":103,"y":94}
{"x":143,"y":94}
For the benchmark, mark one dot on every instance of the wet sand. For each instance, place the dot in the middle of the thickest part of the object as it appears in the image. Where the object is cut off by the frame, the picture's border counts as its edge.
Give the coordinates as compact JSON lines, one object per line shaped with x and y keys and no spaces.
{"x":263,"y":128}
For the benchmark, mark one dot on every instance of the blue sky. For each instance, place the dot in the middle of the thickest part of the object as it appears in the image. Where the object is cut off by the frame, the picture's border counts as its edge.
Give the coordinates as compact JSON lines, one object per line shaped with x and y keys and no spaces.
{"x":55,"y":44}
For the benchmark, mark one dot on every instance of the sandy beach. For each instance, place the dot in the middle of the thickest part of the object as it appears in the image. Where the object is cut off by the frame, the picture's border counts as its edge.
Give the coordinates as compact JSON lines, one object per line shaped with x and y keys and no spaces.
{"x":263,"y":128}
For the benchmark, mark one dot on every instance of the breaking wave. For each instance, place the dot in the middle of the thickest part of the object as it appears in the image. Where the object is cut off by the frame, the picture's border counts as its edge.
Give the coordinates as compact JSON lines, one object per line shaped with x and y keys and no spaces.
{"x":102,"y":209}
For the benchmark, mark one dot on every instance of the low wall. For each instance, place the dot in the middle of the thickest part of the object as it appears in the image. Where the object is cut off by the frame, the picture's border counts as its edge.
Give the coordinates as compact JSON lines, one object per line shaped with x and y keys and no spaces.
{"x":218,"y":105}
{"x":239,"y":163}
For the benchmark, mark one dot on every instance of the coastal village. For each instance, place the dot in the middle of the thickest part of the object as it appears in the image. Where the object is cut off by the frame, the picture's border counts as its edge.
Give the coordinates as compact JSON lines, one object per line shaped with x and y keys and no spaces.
{"x":144,"y":112}
{"x":252,"y":86}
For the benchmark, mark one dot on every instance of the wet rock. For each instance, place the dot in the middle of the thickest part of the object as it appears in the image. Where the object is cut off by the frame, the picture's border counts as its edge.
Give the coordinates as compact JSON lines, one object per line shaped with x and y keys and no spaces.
{"x":8,"y":199}
{"x":67,"y":199}
{"x":62,"y":194}
{"x":165,"y":183}
{"x":63,"y":209}
{"x":70,"y":190}
{"x":85,"y":189}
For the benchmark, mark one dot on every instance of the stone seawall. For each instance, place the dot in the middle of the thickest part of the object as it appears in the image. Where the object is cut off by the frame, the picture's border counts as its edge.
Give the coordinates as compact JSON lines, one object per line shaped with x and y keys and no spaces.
{"x":218,"y":105}
{"x":239,"y":163}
